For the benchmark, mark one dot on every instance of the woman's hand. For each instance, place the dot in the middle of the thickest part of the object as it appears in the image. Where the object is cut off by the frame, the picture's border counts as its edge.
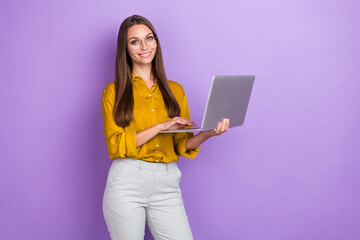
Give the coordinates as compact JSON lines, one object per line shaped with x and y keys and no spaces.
{"x":196,"y":140}
{"x":172,"y":124}
{"x":176,"y":123}
{"x":222,"y":127}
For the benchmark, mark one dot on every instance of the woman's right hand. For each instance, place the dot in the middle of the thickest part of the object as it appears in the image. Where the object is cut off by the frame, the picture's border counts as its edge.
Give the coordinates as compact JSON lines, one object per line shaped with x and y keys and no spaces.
{"x":176,"y":123}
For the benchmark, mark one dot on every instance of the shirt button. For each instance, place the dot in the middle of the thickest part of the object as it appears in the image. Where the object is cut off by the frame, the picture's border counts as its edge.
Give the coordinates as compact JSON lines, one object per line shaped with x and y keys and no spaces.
{"x":157,"y":145}
{"x":149,"y":95}
{"x":152,"y":110}
{"x":157,"y":160}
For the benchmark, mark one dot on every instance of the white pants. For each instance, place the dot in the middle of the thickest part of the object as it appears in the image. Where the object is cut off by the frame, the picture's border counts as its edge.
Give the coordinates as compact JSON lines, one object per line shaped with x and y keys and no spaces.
{"x":137,"y":191}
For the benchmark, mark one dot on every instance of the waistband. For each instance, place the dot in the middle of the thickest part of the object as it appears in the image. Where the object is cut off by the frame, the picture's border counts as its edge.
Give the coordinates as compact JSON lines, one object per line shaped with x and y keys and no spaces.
{"x":147,"y":165}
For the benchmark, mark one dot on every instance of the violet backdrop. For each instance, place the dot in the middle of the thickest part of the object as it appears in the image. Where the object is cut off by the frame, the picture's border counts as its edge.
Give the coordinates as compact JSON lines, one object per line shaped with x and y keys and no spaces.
{"x":292,"y":170}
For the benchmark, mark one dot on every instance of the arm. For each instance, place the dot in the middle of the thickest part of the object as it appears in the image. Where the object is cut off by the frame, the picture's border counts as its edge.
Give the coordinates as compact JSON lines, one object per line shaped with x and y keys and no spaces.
{"x":172,"y":124}
{"x":177,"y":123}
{"x":195,"y":141}
{"x":120,"y":143}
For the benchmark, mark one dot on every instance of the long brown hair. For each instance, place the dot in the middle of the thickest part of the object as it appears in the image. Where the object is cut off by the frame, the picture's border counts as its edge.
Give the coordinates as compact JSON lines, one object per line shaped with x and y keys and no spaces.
{"x":124,"y":100}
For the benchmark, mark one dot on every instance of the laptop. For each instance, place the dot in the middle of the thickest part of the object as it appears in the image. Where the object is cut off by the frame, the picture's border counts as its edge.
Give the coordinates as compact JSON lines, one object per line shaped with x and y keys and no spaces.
{"x":228,"y":98}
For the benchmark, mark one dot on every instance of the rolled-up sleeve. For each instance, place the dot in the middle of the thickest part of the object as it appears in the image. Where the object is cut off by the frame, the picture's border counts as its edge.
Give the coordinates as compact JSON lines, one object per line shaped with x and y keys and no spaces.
{"x":181,"y":138}
{"x":120,"y":143}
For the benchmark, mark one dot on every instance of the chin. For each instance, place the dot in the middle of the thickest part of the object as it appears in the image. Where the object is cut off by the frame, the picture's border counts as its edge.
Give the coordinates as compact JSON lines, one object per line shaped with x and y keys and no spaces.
{"x":145,"y":62}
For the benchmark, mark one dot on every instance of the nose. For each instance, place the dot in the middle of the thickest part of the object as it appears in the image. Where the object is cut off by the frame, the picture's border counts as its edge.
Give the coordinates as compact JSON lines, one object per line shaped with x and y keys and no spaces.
{"x":144,"y":46}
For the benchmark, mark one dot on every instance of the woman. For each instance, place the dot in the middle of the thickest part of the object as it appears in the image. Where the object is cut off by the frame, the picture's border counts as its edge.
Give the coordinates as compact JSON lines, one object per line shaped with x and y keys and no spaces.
{"x":143,"y":180}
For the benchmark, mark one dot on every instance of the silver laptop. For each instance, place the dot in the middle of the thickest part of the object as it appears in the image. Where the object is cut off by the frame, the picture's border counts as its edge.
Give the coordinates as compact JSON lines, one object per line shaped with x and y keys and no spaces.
{"x":228,"y":98}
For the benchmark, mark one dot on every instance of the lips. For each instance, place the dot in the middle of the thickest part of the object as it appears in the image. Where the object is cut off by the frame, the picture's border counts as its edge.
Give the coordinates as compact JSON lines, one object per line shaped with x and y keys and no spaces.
{"x":145,"y":54}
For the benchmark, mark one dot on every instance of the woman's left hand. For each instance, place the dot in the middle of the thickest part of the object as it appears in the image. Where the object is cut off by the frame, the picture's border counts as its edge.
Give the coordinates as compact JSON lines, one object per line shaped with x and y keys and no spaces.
{"x":222,"y":127}
{"x":195,"y":141}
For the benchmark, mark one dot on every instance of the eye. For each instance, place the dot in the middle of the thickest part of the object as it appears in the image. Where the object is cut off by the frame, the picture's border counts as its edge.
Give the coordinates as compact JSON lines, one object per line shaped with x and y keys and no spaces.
{"x":150,"y":38}
{"x":134,"y":42}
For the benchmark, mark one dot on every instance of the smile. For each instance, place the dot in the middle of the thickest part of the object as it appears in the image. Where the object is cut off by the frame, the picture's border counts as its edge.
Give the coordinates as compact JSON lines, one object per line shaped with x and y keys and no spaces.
{"x":145,"y":54}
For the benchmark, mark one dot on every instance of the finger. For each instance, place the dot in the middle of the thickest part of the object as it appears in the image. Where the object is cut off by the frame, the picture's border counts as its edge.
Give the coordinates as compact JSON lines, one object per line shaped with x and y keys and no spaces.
{"x":223,"y":125}
{"x":179,"y":119}
{"x":176,"y":124}
{"x":227,"y":123}
{"x":186,"y":122}
{"x":189,"y":122}
{"x":218,"y":129}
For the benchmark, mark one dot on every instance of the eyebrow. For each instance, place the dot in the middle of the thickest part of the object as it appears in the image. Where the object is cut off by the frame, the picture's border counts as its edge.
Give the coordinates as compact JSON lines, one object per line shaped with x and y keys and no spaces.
{"x":138,"y":38}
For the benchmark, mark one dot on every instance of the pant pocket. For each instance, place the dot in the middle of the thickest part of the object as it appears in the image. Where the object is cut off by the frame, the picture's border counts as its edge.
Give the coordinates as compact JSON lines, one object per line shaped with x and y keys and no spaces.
{"x":178,"y":171}
{"x":117,"y":167}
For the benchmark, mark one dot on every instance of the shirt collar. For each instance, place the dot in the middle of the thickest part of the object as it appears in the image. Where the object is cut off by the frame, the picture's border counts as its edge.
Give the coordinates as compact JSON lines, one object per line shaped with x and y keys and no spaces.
{"x":134,"y":78}
{"x":137,"y":78}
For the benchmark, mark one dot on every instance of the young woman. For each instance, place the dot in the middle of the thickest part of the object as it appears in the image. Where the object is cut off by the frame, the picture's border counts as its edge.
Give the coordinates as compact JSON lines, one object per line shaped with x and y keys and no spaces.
{"x":143,"y":180}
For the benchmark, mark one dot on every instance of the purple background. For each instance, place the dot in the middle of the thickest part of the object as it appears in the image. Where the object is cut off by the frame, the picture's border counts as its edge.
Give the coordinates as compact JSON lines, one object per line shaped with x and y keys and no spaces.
{"x":291,"y":172}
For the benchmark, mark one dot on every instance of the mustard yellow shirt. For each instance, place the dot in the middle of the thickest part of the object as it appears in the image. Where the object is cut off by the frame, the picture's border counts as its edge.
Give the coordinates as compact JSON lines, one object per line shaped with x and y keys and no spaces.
{"x":149,"y":109}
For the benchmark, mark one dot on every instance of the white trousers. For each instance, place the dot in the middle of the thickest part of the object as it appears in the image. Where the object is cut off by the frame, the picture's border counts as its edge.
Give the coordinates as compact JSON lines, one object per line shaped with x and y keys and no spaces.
{"x":138,"y":191}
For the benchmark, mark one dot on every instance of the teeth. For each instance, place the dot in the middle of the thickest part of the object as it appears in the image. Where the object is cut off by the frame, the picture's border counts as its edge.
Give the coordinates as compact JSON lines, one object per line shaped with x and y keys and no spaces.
{"x":145,"y":55}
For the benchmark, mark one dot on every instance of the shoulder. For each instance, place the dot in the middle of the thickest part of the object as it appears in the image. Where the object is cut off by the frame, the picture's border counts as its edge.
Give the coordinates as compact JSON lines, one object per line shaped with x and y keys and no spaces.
{"x":108,"y":95}
{"x":176,"y":89}
{"x":109,"y":90}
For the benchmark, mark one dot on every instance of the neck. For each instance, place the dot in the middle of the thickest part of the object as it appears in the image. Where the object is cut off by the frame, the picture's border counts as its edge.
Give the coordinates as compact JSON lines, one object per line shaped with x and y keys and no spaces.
{"x":143,"y":71}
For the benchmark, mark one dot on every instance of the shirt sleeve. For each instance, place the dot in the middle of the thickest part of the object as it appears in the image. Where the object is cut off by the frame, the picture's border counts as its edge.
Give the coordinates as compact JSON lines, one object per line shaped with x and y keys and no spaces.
{"x":120,"y":143}
{"x":181,"y":138}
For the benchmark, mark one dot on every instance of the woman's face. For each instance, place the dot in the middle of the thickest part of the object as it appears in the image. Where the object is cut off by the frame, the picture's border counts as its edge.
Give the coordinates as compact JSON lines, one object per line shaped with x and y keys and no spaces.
{"x":141,"y":44}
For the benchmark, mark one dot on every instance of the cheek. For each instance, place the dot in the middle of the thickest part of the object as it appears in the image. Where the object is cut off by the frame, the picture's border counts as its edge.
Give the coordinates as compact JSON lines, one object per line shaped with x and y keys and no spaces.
{"x":132,"y":55}
{"x":154,"y":50}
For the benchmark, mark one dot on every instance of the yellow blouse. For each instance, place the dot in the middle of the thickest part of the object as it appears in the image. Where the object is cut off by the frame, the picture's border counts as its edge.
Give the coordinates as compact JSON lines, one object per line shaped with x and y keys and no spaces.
{"x":149,"y":109}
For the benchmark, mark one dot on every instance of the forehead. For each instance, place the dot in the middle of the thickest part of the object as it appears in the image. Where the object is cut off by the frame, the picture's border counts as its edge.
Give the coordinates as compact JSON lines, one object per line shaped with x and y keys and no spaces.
{"x":138,"y":31}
